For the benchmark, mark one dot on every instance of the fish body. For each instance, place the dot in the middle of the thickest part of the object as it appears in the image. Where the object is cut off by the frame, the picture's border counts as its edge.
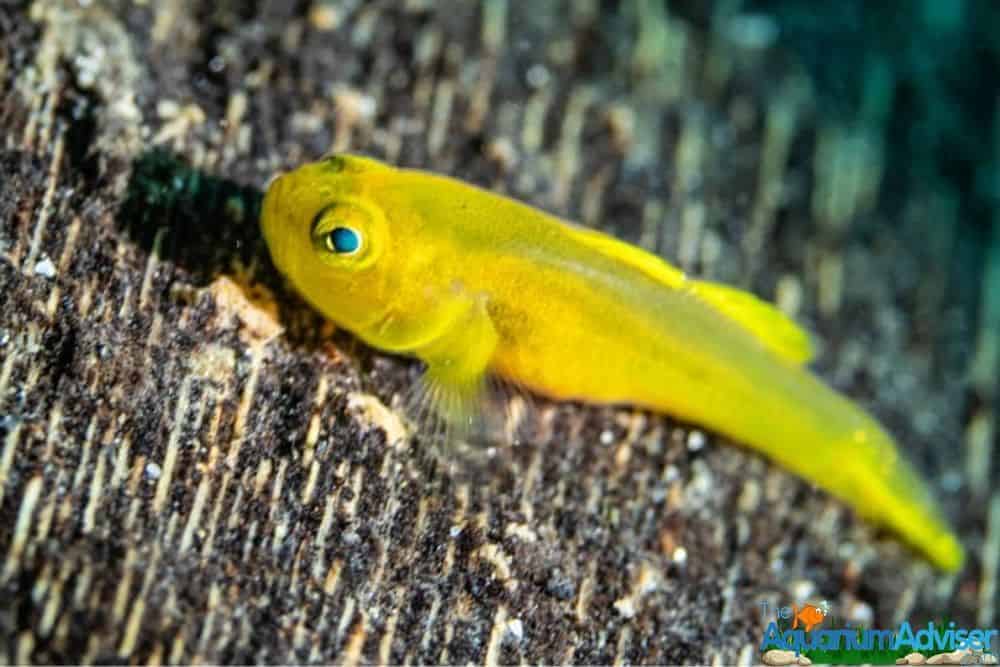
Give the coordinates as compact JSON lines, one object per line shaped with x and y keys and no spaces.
{"x":475,"y":283}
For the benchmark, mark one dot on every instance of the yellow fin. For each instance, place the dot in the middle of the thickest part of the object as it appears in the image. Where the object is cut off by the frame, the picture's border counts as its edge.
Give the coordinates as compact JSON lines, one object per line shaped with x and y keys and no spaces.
{"x":766,"y":322}
{"x":773,"y":328}
{"x":457,"y":360}
{"x":650,"y":264}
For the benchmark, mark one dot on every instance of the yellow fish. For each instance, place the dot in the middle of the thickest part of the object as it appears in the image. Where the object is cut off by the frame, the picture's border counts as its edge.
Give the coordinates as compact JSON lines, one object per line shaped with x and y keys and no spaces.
{"x":477,"y":284}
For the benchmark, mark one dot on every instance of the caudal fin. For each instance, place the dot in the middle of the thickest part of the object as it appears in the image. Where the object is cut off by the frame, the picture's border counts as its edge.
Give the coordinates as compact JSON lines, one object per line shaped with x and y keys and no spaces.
{"x":893,"y":494}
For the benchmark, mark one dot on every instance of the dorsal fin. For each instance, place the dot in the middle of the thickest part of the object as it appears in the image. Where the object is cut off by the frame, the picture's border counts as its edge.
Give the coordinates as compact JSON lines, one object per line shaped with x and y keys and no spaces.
{"x":766,"y":322}
{"x":650,"y":264}
{"x":773,"y":328}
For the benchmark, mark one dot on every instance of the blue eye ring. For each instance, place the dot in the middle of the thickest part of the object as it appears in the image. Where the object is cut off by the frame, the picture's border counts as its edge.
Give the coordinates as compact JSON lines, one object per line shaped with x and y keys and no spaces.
{"x":342,"y":240}
{"x":346,"y":233}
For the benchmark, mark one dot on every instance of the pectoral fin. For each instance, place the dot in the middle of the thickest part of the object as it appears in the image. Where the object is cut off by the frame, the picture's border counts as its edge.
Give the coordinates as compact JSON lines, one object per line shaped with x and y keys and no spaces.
{"x":454,"y":383}
{"x":772,"y":327}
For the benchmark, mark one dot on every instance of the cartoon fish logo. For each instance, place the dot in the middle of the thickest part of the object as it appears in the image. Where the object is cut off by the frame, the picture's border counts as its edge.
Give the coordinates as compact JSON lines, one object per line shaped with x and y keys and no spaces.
{"x":810,"y":615}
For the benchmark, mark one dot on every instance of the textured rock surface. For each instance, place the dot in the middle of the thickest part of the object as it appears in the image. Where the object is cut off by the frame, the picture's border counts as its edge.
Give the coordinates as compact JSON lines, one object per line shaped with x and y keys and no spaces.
{"x":192,"y":467}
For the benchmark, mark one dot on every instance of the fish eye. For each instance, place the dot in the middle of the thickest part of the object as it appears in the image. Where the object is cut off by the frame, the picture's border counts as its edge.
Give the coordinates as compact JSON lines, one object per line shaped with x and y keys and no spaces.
{"x":346,"y":233}
{"x":342,"y":240}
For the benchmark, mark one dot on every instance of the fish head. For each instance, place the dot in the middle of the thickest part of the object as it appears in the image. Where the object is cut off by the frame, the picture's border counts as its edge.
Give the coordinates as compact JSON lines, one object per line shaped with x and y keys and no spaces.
{"x":330,"y":238}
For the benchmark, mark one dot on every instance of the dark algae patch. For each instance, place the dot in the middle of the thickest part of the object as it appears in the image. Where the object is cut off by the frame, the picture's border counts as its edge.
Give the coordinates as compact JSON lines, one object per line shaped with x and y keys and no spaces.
{"x":199,"y":220}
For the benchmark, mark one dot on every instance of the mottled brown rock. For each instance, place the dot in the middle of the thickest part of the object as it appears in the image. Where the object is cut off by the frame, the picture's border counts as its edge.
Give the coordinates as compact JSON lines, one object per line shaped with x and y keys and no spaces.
{"x":193,"y":467}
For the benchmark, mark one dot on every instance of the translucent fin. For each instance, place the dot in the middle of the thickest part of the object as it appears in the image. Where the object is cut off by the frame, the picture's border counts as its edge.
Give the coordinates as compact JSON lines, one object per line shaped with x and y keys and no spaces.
{"x":446,"y":412}
{"x":463,"y":419}
{"x":510,"y":413}
{"x":773,"y":328}
{"x":765,"y":321}
{"x":451,"y":396}
{"x":457,"y":431}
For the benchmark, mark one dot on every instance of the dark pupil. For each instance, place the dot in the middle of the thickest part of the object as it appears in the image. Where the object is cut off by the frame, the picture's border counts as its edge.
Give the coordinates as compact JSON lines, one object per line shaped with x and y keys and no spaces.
{"x":343,"y":240}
